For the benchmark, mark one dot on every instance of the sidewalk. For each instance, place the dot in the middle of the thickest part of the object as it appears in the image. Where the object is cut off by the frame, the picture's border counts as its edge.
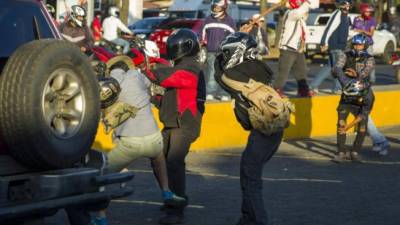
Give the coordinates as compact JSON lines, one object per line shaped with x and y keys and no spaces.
{"x":301,"y":187}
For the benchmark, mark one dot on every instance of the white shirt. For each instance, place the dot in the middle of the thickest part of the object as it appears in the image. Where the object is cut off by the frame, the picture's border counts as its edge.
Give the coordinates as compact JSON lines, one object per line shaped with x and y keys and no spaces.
{"x":110,"y":28}
{"x":293,"y":26}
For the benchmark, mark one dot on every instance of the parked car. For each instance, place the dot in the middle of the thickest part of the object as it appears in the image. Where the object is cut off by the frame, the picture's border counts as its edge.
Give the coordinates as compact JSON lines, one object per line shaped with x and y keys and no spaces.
{"x":161,"y":35}
{"x":143,"y":28}
{"x":384,"y":41}
{"x":49,"y":114}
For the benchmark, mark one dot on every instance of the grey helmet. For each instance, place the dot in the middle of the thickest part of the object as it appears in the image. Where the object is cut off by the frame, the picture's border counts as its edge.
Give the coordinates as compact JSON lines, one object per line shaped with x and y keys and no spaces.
{"x":78,"y":11}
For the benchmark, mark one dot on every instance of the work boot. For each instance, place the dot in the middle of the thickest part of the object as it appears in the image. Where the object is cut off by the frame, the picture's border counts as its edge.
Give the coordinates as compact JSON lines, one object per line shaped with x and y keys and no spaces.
{"x":340,"y":157}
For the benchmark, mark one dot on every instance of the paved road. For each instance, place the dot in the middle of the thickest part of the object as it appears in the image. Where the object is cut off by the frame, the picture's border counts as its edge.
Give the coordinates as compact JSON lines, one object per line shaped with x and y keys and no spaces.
{"x":301,"y":187}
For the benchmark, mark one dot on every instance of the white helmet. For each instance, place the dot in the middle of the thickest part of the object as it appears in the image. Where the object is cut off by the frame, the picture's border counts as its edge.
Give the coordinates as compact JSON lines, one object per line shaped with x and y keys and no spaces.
{"x":151,"y":49}
{"x":113,"y":11}
{"x":78,"y":11}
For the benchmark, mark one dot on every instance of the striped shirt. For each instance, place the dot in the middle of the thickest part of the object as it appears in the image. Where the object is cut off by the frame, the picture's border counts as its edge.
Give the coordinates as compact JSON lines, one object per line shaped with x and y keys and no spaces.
{"x":214,"y":31}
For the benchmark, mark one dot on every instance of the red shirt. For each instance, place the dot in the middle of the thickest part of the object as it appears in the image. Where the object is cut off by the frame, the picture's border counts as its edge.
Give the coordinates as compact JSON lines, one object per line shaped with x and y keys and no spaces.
{"x":96,"y":25}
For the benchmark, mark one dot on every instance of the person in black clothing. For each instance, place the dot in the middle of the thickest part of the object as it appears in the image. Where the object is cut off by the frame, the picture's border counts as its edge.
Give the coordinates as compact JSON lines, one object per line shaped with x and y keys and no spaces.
{"x":180,"y":110}
{"x":352,"y":70}
{"x":237,"y":60}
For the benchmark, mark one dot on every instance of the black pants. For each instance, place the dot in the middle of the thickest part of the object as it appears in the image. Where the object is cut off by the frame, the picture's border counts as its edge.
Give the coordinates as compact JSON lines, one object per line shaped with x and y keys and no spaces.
{"x":260,"y":148}
{"x":343,"y":113}
{"x":177,"y":143}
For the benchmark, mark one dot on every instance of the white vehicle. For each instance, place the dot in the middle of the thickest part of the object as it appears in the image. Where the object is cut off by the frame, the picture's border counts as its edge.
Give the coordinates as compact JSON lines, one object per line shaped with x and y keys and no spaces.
{"x":384,"y":41}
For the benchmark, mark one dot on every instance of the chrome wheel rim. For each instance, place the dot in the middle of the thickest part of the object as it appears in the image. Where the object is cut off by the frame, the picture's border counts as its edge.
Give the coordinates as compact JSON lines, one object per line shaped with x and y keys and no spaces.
{"x":63,"y":103}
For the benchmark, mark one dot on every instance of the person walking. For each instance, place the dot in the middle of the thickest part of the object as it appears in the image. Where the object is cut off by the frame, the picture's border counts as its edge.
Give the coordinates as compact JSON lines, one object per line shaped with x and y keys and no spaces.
{"x":236,"y":65}
{"x":352,"y":70}
{"x":260,"y":34}
{"x":180,"y":109}
{"x":111,"y":24}
{"x":366,"y":24}
{"x":215,"y":28}
{"x":292,"y":46}
{"x":334,"y":39}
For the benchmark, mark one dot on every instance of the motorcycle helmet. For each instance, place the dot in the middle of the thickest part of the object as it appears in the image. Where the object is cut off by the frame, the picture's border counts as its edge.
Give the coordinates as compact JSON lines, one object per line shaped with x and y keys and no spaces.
{"x":181,"y":43}
{"x":356,"y":88}
{"x":51,"y":10}
{"x":294,"y":4}
{"x":113,"y":11}
{"x":344,"y":5}
{"x":78,"y":15}
{"x":218,"y":8}
{"x":366,"y":11}
{"x":109,"y":91}
{"x":236,"y":48}
{"x":359,"y":39}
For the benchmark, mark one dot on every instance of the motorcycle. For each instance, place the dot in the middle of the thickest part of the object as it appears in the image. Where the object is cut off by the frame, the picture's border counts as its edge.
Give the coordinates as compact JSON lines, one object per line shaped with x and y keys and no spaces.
{"x":396,"y":66}
{"x":108,"y":52}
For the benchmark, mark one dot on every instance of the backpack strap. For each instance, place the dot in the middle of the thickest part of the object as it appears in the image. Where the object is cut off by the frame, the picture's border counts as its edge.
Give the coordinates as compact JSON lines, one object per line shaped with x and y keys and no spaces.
{"x":236,"y":85}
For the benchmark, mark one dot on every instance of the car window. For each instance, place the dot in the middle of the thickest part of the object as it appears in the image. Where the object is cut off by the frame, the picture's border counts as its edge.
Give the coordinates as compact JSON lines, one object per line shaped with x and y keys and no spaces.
{"x":17,"y":25}
{"x":322,"y":20}
{"x":183,"y":14}
{"x":147,"y":23}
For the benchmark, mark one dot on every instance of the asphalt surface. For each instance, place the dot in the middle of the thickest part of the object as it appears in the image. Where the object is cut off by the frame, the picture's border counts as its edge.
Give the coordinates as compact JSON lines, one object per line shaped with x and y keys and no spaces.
{"x":301,"y":187}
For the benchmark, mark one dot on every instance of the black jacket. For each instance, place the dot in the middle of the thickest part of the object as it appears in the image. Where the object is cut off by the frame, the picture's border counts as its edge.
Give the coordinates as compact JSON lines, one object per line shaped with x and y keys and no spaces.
{"x":182,"y":104}
{"x":254,"y":69}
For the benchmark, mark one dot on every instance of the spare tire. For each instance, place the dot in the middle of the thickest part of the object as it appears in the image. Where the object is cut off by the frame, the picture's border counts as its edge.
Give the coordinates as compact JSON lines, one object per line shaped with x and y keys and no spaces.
{"x":49,"y":104}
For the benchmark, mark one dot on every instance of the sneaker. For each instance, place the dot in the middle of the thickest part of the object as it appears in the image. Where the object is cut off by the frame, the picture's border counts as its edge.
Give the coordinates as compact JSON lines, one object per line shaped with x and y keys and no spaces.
{"x":281,"y":93}
{"x":315,"y":90}
{"x":99,"y":221}
{"x":171,"y":199}
{"x":210,"y":97}
{"x":381,"y":148}
{"x":171,"y":219}
{"x":225,"y":98}
{"x":340,"y":157}
{"x":354,"y":156}
{"x":306,"y":93}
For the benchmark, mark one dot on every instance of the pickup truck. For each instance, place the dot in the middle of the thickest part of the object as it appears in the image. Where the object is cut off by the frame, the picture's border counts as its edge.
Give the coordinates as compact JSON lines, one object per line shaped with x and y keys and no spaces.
{"x":49,"y":113}
{"x":384,"y":41}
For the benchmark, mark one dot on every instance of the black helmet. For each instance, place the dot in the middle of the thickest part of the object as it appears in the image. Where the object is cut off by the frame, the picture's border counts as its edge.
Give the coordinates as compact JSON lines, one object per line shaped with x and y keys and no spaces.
{"x":182,"y":42}
{"x":344,"y":5}
{"x":356,"y":88}
{"x":238,"y":47}
{"x":109,"y":91}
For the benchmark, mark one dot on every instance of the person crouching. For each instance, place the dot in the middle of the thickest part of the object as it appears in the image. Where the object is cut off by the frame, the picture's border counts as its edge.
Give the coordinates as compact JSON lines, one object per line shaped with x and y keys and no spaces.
{"x":352,"y":70}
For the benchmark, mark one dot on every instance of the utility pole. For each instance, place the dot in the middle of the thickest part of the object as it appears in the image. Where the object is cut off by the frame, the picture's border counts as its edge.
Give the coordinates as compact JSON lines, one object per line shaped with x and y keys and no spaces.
{"x":263,"y":5}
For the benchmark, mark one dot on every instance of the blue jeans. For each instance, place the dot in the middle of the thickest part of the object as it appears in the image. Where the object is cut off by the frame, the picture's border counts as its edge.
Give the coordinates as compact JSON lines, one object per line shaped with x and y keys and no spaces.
{"x":121,"y":42}
{"x":212,"y":86}
{"x":260,"y":148}
{"x":372,"y":76}
{"x":376,"y":136}
{"x":325,"y":72}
